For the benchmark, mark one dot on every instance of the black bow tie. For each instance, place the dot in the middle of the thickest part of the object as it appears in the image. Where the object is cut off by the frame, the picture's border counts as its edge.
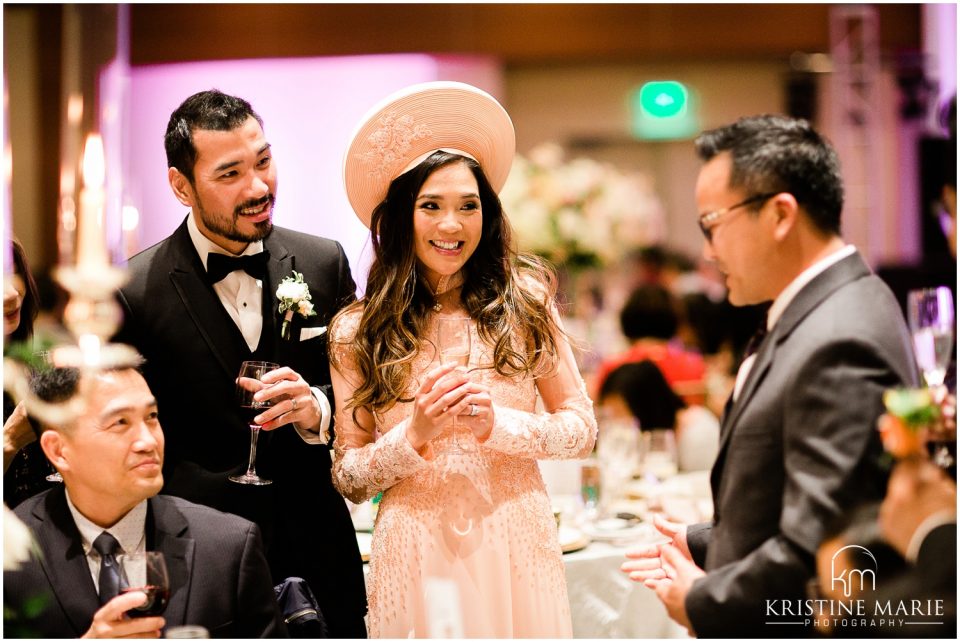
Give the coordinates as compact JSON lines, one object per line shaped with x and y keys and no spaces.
{"x":220,"y":265}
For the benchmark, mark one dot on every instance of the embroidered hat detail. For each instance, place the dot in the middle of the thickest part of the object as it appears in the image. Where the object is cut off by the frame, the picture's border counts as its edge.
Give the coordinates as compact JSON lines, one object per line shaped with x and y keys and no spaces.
{"x":406,"y":127}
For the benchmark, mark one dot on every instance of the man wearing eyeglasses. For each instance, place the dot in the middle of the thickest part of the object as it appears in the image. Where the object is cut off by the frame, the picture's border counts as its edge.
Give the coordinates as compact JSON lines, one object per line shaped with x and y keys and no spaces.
{"x":798,"y":441}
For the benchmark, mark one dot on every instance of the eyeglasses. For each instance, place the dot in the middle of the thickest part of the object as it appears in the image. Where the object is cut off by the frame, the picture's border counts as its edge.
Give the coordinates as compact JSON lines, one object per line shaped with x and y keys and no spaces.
{"x":710,"y":217}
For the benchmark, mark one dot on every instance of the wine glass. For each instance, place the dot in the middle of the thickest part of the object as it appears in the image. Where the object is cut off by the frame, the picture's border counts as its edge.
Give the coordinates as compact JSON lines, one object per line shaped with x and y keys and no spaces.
{"x":145,"y":572}
{"x":618,"y":450}
{"x":248,"y":384}
{"x":659,"y":453}
{"x":930,"y":315}
{"x":453,"y":340}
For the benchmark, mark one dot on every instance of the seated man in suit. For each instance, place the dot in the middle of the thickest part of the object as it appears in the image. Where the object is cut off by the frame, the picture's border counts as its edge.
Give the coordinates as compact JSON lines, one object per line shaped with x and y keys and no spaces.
{"x":110,"y":455}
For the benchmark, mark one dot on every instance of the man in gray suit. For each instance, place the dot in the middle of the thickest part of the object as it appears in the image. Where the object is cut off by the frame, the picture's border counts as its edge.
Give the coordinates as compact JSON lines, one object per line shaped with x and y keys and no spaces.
{"x":111,"y":458}
{"x":798,"y":442}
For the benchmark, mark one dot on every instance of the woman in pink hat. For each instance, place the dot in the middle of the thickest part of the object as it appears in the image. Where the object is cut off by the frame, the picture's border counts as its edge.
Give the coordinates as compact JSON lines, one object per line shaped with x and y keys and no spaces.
{"x":465,"y":542}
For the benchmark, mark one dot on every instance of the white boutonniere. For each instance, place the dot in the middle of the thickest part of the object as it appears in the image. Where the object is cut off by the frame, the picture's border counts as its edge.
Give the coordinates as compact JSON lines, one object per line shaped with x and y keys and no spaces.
{"x":294,"y":297}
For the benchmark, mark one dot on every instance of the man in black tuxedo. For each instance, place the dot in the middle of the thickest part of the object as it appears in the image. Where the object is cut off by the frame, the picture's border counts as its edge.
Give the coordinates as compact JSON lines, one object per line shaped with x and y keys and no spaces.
{"x":110,"y":456}
{"x":798,"y":440}
{"x":201,"y":302}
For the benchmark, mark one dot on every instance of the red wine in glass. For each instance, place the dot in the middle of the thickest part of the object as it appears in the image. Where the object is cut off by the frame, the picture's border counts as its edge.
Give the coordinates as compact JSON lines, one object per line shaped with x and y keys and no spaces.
{"x":145,"y":572}
{"x":248,"y":384}
{"x":157,"y":598}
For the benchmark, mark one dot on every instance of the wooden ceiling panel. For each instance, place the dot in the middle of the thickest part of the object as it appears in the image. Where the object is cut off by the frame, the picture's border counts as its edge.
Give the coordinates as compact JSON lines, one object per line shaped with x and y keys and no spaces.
{"x":515,"y":33}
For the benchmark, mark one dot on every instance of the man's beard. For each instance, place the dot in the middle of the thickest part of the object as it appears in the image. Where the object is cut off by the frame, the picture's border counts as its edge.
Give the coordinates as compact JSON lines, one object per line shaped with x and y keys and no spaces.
{"x":231,"y":230}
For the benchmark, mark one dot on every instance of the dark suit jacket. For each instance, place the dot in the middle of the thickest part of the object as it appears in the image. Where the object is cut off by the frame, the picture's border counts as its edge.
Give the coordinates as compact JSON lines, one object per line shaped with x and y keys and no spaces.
{"x":218,"y":575}
{"x":798,"y":446}
{"x":193,"y":353}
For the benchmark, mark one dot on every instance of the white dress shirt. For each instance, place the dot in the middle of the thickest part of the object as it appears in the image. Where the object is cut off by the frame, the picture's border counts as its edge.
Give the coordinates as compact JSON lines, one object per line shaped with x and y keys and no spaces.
{"x":242,"y":298}
{"x":783,"y":300}
{"x":130,"y":531}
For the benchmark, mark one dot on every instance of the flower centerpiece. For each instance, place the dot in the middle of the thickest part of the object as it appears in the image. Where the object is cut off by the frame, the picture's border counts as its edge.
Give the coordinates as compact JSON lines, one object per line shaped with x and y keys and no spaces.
{"x":579,"y":213}
{"x":294,"y":297}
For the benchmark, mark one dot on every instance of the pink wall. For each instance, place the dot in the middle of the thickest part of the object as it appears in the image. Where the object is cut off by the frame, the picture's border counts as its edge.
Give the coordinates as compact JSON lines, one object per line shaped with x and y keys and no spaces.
{"x":310,"y":108}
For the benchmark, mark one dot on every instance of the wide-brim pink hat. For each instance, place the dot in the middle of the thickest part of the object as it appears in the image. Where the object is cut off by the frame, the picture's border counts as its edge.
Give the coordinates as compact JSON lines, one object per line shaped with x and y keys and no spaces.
{"x":400,"y":131}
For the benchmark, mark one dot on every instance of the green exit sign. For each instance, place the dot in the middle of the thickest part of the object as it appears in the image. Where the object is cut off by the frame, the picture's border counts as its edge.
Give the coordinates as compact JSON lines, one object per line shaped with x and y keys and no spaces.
{"x":663,"y":99}
{"x":663,"y":110}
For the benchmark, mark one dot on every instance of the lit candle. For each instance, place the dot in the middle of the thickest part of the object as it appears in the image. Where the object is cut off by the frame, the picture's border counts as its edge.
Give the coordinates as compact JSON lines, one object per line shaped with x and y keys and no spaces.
{"x":91,"y":245}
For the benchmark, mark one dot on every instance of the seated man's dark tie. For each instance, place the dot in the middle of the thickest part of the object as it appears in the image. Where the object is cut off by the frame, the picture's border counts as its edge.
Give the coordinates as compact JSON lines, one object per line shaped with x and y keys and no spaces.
{"x":108,"y":546}
{"x":220,"y":265}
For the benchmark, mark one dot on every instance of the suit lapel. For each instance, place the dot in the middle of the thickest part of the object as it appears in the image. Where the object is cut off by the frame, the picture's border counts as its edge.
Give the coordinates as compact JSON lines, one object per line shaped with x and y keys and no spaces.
{"x":167,"y":533}
{"x":203,"y":306}
{"x":279,"y":267}
{"x":64,"y":562}
{"x":822,"y":286}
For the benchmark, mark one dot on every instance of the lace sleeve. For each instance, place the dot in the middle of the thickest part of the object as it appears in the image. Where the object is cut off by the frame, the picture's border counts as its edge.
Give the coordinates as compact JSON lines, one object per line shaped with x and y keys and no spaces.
{"x":363,"y":465}
{"x":568,"y":428}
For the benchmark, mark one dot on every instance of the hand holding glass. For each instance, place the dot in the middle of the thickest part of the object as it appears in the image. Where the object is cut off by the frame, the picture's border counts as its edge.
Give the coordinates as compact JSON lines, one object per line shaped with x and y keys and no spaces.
{"x":248,"y":384}
{"x":145,"y":572}
{"x":453,"y":341}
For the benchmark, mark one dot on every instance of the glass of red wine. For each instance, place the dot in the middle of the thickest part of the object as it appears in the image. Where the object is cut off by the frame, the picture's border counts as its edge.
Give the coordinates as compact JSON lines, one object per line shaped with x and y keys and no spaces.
{"x":147,"y":573}
{"x":248,"y":384}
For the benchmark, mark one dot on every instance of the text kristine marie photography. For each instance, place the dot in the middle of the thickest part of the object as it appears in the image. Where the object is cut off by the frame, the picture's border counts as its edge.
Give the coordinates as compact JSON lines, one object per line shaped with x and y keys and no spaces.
{"x":854,"y":602}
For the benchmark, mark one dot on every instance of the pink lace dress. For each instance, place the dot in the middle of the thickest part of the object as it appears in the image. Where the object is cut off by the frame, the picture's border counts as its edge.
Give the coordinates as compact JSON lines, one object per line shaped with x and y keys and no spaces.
{"x":483,"y":520}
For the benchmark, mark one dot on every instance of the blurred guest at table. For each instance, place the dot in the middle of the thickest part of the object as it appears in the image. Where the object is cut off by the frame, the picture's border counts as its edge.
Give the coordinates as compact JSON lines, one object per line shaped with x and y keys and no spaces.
{"x":25,"y":467}
{"x":203,"y":301}
{"x":918,"y":518}
{"x":459,"y":532}
{"x":640,"y":391}
{"x":111,"y":456}
{"x":798,"y":443}
{"x":649,"y":321}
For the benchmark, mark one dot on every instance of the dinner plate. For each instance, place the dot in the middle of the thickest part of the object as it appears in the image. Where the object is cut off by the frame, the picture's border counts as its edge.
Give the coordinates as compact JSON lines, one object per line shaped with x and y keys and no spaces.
{"x":363,"y":541}
{"x":572,"y":539}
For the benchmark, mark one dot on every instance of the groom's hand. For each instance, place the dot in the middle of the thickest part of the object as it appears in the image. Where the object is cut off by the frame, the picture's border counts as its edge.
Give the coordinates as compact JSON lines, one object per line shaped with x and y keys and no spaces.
{"x":293,"y":401}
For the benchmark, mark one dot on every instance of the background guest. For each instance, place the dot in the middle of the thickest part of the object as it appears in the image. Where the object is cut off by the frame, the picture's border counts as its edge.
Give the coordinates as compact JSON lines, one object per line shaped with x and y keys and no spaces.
{"x":649,"y":321}
{"x":639,"y":390}
{"x":24,"y":465}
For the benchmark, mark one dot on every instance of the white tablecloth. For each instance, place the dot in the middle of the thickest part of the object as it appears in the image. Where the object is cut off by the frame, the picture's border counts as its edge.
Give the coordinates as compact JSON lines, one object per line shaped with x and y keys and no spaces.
{"x":604,"y":603}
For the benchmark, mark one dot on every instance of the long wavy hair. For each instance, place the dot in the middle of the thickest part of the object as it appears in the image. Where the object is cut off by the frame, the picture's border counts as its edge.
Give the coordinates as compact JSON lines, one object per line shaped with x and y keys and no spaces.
{"x":496,"y":293}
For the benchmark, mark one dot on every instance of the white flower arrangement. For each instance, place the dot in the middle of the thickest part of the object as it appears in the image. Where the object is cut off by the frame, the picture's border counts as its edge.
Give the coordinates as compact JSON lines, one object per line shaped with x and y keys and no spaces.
{"x":579,"y":213}
{"x":294,"y":296}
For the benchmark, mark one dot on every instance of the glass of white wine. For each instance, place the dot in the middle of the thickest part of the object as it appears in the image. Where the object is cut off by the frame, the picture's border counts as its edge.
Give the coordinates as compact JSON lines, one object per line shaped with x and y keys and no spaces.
{"x":930,"y":315}
{"x":453,"y":341}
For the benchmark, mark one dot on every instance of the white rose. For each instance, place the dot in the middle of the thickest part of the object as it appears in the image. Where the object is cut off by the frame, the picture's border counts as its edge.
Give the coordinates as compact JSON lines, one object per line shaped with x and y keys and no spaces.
{"x":292,"y":290}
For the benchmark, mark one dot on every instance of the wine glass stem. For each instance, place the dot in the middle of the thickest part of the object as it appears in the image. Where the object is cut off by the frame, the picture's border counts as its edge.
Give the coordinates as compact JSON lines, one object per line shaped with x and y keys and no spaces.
{"x":254,"y":433}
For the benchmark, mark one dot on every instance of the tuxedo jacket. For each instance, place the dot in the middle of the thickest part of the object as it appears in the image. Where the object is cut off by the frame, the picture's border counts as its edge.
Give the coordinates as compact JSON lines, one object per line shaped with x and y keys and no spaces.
{"x":219,"y":577}
{"x":798,"y":446}
{"x":193,"y":352}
